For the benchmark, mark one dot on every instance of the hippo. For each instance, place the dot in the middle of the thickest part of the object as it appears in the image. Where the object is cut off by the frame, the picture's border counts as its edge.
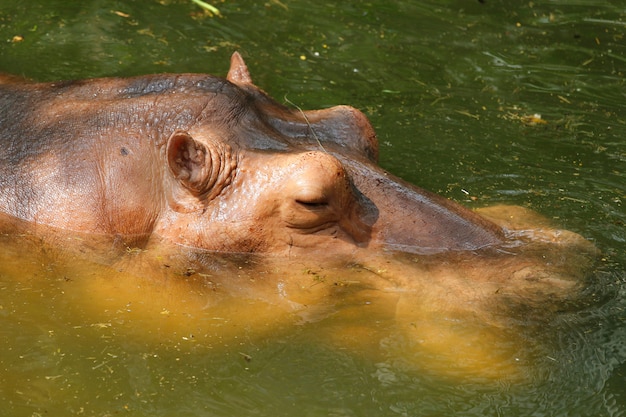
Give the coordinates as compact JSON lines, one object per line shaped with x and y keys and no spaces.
{"x":213,"y":168}
{"x":215,"y":164}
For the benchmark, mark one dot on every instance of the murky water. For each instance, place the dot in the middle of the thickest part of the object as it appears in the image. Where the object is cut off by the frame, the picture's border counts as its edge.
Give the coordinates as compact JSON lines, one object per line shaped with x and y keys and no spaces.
{"x":485,"y":102}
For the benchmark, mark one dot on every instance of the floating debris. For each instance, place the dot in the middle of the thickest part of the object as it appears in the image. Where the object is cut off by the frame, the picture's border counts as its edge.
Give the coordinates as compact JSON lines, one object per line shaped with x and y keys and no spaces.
{"x":209,"y":8}
{"x":533,"y":120}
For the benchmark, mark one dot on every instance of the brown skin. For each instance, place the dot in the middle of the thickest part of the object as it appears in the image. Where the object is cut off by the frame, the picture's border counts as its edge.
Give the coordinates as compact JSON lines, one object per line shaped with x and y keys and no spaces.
{"x":195,"y":170}
{"x":212,"y":164}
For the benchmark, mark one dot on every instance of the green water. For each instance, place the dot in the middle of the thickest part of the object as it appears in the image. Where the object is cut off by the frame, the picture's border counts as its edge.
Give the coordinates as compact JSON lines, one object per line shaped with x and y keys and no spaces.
{"x":451,"y":87}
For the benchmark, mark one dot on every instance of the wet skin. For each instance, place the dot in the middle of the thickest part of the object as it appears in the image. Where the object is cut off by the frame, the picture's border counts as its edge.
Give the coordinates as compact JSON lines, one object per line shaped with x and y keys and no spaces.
{"x":214,"y":164}
{"x":187,"y":170}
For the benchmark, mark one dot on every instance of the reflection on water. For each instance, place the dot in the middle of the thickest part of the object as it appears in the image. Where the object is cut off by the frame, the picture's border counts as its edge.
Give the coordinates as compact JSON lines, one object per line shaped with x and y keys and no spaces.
{"x":143,"y":329}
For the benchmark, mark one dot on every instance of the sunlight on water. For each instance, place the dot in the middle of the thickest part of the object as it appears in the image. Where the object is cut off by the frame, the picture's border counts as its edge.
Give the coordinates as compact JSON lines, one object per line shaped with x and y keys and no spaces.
{"x":145,"y":328}
{"x":450,"y":87}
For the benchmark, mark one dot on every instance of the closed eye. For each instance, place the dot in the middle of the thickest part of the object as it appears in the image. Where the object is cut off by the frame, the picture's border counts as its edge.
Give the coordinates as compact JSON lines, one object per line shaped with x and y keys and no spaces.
{"x":313,"y":204}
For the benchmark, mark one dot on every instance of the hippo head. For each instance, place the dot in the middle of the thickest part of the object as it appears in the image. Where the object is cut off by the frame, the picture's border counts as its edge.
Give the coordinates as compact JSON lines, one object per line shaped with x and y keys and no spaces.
{"x":251,"y":175}
{"x":196,"y":170}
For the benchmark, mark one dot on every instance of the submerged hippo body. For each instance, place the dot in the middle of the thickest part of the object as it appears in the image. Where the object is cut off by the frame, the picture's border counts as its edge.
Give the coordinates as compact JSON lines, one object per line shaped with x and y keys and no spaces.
{"x":214,"y":164}
{"x":173,"y":177}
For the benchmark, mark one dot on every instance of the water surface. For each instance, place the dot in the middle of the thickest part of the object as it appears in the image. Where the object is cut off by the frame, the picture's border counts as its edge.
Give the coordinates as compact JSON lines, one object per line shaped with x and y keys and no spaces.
{"x":485,"y":102}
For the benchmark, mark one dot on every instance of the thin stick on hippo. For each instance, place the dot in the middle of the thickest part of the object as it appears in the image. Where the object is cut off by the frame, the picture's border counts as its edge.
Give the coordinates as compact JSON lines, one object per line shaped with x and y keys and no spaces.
{"x":196,"y":164}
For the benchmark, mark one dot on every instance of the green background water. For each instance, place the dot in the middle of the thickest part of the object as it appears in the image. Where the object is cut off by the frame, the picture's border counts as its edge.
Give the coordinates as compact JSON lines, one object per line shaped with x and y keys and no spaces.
{"x":447,"y":84}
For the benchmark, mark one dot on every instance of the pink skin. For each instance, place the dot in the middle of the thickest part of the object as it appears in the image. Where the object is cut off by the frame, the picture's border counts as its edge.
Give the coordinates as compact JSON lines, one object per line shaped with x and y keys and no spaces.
{"x":213,"y":164}
{"x":327,"y":195}
{"x":193,"y":167}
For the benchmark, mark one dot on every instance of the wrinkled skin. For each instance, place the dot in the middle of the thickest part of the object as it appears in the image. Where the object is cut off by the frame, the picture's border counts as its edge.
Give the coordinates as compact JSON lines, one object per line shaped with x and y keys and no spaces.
{"x":182,"y":168}
{"x":213,"y":164}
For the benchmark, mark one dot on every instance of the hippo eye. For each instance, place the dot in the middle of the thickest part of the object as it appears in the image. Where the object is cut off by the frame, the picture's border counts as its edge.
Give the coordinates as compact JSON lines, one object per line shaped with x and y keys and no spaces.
{"x":316,"y":203}
{"x":310,"y":210}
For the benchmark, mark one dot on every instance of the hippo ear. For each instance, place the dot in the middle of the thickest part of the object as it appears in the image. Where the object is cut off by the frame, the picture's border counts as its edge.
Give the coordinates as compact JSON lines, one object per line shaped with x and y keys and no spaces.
{"x":187,"y":160}
{"x":238,"y":72}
